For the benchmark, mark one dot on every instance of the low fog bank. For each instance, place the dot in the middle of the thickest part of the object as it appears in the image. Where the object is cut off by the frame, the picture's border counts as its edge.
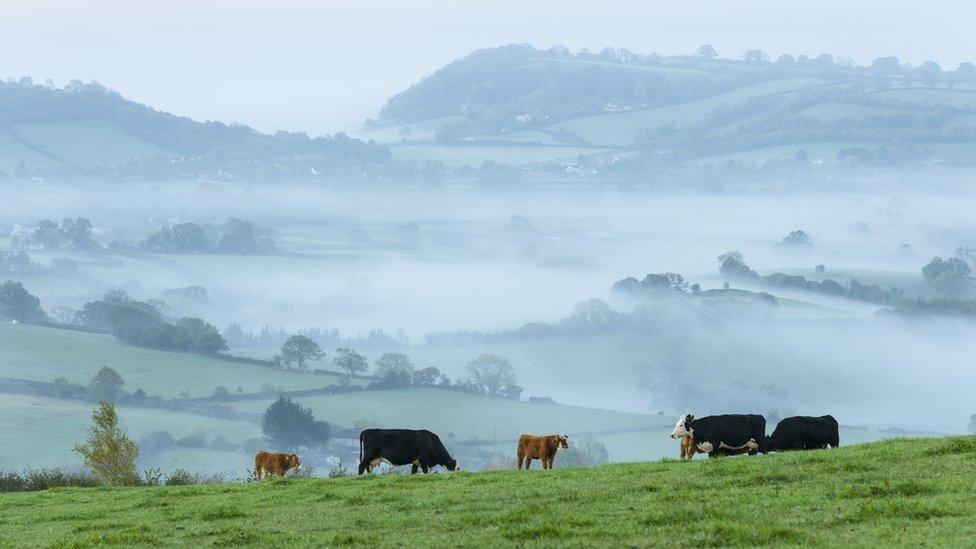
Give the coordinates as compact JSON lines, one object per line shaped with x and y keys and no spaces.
{"x":421,"y":260}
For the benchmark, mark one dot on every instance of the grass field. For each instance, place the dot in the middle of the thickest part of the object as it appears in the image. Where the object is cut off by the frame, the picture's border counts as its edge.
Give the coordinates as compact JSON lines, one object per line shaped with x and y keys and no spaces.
{"x":43,"y":354}
{"x":833,"y":112}
{"x":40,"y":432}
{"x":465,"y":415}
{"x":87,"y":143}
{"x":621,"y":129}
{"x":904,"y":492}
{"x":929,"y":97}
{"x":13,"y":152}
{"x":819,"y":151}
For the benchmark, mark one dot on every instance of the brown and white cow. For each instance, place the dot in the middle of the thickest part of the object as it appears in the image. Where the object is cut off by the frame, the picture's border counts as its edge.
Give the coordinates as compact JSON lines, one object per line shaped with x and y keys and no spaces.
{"x":272,"y":463}
{"x":688,"y":448}
{"x":538,"y":447}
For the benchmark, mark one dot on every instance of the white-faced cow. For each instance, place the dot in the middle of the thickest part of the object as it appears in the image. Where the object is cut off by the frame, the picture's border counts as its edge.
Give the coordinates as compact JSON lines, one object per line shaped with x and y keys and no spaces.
{"x":724,"y":434}
{"x":422,"y":449}
{"x":804,"y":433}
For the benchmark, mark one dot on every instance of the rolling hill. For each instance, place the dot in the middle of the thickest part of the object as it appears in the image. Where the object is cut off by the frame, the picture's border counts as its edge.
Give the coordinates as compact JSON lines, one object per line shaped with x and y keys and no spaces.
{"x":617,"y":111}
{"x":905,"y":492}
{"x":89,"y":130}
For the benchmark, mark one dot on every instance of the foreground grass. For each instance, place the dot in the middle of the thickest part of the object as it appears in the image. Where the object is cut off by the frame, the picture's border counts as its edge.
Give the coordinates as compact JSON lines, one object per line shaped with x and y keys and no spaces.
{"x":904,"y":492}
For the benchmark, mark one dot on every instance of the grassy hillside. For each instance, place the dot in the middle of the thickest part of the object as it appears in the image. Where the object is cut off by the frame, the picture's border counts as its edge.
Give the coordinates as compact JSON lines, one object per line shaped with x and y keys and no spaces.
{"x":622,"y":129}
{"x":87,"y":143}
{"x":44,"y":354}
{"x":899,"y":492}
{"x":465,"y":415}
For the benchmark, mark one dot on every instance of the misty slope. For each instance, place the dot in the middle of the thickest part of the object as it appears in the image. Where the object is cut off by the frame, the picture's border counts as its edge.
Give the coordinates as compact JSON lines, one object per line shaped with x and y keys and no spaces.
{"x":82,"y":127}
{"x":677,"y":109}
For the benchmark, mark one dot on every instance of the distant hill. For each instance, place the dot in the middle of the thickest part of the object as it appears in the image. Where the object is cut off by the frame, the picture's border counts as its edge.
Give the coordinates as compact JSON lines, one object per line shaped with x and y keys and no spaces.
{"x":87,"y":129}
{"x":518,"y":102}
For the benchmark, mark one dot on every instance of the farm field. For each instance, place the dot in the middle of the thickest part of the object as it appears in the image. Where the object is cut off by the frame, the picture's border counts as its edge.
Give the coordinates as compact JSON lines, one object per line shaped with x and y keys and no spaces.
{"x":87,"y":143}
{"x":13,"y":152}
{"x":906,"y":492}
{"x":819,"y":151}
{"x":464,"y":415}
{"x":960,"y":99}
{"x":475,"y":155}
{"x":44,"y":354}
{"x":30,"y":423}
{"x":620,"y":129}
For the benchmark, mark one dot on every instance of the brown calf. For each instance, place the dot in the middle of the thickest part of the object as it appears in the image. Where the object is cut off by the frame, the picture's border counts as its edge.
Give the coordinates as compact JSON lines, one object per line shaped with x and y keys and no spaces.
{"x":542,"y":448}
{"x":688,"y":447}
{"x":272,"y":463}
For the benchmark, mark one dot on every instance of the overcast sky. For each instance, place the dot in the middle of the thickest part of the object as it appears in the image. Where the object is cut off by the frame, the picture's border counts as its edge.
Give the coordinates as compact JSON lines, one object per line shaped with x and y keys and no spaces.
{"x":325,"y":66}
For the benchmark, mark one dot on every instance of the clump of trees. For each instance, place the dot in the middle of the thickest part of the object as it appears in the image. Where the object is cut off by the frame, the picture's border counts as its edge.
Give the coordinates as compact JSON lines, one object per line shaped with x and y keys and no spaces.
{"x":950,"y":277}
{"x":733,"y":265}
{"x":796,"y":239}
{"x":587,"y":452}
{"x":143,"y":324}
{"x":16,"y":303}
{"x":494,"y":376}
{"x":289,"y":426}
{"x":236,"y":236}
{"x":664,"y":284}
{"x":75,"y":234}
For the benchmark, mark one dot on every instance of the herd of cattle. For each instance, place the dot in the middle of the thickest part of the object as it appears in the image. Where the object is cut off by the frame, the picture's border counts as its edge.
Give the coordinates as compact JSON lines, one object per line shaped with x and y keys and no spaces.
{"x":713,"y":435}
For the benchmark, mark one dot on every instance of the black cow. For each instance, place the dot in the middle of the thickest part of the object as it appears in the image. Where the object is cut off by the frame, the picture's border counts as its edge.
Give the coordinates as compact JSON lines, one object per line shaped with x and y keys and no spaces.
{"x":804,"y":433}
{"x":422,"y":449}
{"x":725,"y":434}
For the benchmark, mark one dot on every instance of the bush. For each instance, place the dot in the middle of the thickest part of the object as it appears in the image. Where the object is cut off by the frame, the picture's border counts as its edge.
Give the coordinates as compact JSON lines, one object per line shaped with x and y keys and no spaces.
{"x":41,"y":479}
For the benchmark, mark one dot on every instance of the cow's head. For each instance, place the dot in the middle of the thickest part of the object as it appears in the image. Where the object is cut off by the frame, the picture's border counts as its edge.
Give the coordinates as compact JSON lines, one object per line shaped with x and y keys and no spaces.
{"x":683,"y":427}
{"x":452,"y":464}
{"x":293,"y":462}
{"x":563,"y":441}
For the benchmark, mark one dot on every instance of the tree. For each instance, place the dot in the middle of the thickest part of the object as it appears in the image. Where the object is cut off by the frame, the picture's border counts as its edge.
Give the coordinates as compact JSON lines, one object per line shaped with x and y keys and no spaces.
{"x":491,"y":373}
{"x":394,"y":369}
{"x":972,"y":423}
{"x":244,"y":237}
{"x":733,"y":265}
{"x":106,"y":384}
{"x":951,"y":277}
{"x":288,"y":426}
{"x":427,"y":377}
{"x":78,"y":233}
{"x":796,"y":239}
{"x":16,"y":303}
{"x":588,"y":452}
{"x":48,"y":235}
{"x":755,"y":56}
{"x":707,"y":51}
{"x":199,"y":336}
{"x":299,"y":349}
{"x":109,"y":452}
{"x":350,"y":360}
{"x":180,"y":238}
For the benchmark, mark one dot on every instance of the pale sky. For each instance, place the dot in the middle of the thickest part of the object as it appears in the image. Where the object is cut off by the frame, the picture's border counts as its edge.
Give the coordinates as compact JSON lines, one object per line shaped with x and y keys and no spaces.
{"x":325,"y":66}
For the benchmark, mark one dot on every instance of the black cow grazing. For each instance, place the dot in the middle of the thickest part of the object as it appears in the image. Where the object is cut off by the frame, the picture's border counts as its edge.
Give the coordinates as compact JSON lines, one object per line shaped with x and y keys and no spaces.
{"x":422,"y":449}
{"x":725,"y":434}
{"x":804,"y":433}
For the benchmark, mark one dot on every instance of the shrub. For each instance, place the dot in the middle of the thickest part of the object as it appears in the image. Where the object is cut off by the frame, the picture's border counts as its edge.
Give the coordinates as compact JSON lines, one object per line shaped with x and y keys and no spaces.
{"x":41,"y":479}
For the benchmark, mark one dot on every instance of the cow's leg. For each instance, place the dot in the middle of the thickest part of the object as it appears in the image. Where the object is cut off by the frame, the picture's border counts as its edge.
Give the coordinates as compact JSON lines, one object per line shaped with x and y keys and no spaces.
{"x":518,"y":460}
{"x":424,"y":468}
{"x":552,"y":460}
{"x":364,"y":465}
{"x":545,"y":463}
{"x":413,"y":469}
{"x":528,"y":462}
